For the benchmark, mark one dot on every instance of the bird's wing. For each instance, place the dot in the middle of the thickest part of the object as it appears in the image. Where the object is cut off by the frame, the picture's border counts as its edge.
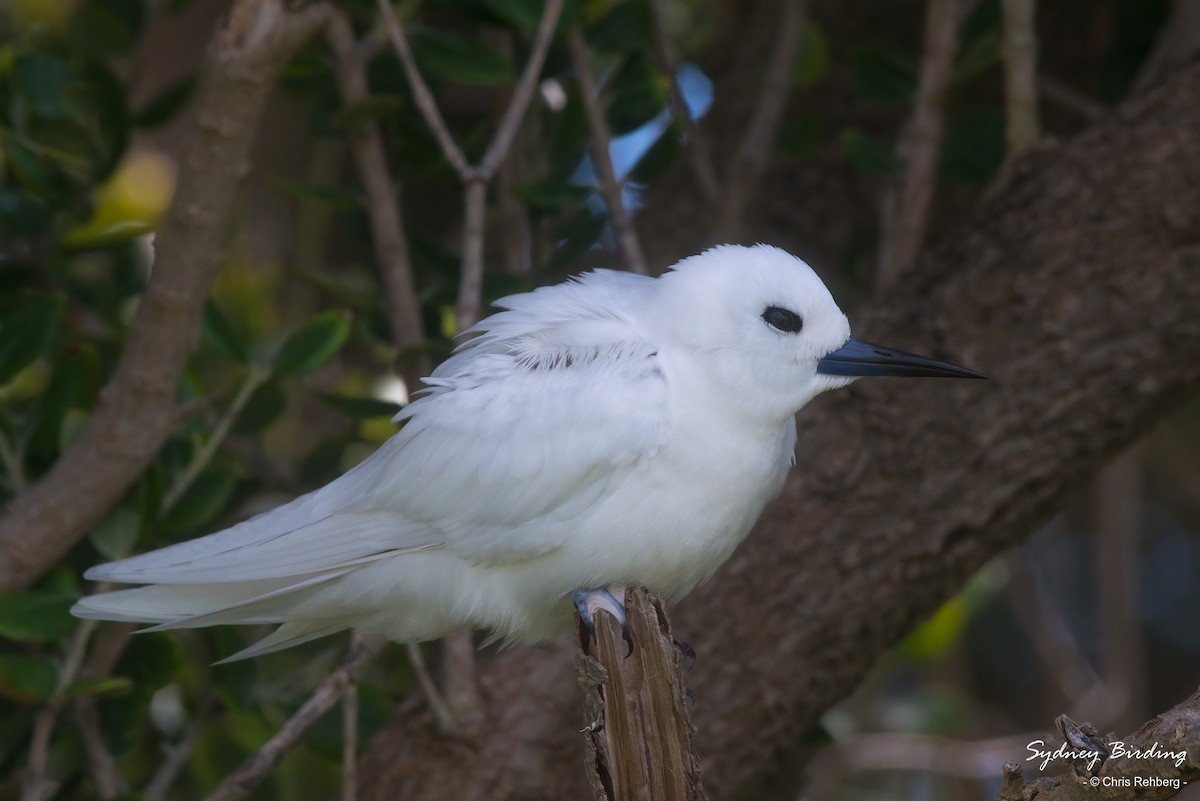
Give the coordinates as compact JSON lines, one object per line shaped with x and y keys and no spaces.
{"x":502,"y":467}
{"x":528,"y":425}
{"x":521,"y":430}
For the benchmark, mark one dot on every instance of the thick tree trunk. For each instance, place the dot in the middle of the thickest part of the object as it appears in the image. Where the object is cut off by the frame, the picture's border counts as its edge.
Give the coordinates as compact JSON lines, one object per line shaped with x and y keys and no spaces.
{"x":1076,"y":288}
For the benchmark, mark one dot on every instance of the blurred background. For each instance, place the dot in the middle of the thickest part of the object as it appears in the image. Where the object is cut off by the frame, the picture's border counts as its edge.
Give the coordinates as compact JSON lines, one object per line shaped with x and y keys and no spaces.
{"x":814,"y":144}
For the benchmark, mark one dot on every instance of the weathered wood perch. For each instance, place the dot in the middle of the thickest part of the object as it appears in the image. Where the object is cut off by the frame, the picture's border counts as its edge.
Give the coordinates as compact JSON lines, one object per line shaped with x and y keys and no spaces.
{"x":639,"y":733}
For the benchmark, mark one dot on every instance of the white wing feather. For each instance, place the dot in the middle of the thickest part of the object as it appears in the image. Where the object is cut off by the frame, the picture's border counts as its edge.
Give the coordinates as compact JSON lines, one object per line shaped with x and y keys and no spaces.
{"x":556,"y":401}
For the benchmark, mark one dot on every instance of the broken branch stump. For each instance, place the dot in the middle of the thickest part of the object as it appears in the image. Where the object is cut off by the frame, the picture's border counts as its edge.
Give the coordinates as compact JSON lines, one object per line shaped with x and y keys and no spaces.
{"x":639,"y":733}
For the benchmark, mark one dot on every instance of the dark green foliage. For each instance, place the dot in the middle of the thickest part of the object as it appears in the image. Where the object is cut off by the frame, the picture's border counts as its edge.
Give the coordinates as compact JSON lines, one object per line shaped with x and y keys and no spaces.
{"x":869,"y":154}
{"x":636,"y":94}
{"x":311,"y":345}
{"x":883,"y":77}
{"x":26,"y":331}
{"x":359,"y":408}
{"x":33,"y":616}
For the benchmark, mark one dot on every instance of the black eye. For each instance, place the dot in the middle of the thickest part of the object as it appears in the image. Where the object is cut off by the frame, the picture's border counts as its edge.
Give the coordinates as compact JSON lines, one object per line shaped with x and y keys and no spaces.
{"x":787,"y":321}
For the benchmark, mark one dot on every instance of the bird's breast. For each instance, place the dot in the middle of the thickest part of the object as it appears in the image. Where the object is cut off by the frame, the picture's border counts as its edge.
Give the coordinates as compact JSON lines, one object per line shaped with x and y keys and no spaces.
{"x":680,"y":515}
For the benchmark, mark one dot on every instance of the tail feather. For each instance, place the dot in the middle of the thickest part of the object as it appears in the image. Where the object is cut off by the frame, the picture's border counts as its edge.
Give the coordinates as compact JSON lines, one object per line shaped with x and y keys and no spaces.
{"x":165,"y":603}
{"x":178,"y":606}
{"x":286,"y":636}
{"x":269,"y":607}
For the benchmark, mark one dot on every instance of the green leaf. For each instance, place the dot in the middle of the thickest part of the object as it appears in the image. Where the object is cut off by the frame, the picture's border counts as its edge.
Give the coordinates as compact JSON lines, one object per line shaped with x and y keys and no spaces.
{"x":221,"y":335}
{"x":465,"y":59}
{"x":100,"y":685}
{"x":202,"y":501}
{"x":32,"y":616}
{"x":115,"y":535}
{"x":167,"y":103}
{"x":42,"y":176}
{"x":869,"y":154}
{"x":27,"y":678}
{"x":359,"y":408}
{"x":27,"y":331}
{"x":883,"y":77}
{"x":263,"y":408}
{"x":637,"y":93}
{"x":72,"y":385}
{"x":312,"y":345}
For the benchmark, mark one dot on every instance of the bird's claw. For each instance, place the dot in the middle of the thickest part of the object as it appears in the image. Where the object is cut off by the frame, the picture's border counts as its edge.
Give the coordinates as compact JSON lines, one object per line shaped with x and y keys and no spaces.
{"x":688,"y":652}
{"x":588,"y":601}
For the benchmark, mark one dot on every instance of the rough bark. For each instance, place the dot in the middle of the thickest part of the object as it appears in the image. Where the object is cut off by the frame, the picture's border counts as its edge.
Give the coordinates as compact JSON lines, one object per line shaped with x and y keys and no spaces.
{"x":1075,"y":287}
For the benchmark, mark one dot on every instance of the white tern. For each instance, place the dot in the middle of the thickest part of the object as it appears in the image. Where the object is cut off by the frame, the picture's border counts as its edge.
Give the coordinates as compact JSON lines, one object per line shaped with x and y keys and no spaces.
{"x":610,"y":431}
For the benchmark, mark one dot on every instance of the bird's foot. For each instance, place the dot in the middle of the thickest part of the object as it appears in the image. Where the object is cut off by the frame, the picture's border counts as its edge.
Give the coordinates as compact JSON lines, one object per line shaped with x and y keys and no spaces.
{"x":688,"y":652}
{"x":587,"y":602}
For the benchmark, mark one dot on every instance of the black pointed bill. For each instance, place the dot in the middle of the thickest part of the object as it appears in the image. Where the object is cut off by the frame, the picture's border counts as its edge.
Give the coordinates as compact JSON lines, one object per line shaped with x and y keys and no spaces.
{"x":858,"y":358}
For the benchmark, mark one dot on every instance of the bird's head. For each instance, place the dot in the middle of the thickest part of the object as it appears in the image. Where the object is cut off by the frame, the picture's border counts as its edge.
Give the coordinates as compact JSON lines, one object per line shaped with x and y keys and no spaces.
{"x":767,"y":329}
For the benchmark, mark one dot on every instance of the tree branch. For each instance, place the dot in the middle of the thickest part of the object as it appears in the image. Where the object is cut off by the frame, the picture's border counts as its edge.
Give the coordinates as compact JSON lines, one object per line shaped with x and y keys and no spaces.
{"x":470,"y":287}
{"x":476,"y":178}
{"x":1071,"y":99}
{"x":523,"y":94}
{"x":758,"y":139}
{"x":178,"y":754}
{"x":250,"y":773}
{"x":498,"y":148}
{"x":1020,"y":76}
{"x":902,"y":493}
{"x":610,"y":186}
{"x":906,"y":208}
{"x":136,"y":412}
{"x":105,"y":773}
{"x":422,"y":95}
{"x":1178,"y":41}
{"x":699,"y":156}
{"x":391,"y":245}
{"x":46,"y":717}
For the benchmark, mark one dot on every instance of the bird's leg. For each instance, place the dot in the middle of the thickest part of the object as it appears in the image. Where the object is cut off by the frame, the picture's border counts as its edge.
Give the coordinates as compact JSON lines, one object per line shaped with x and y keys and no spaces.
{"x":611,"y":600}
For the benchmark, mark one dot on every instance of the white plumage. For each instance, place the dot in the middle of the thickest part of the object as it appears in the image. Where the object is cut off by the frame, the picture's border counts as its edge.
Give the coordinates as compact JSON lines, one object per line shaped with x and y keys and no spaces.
{"x":608,"y":431}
